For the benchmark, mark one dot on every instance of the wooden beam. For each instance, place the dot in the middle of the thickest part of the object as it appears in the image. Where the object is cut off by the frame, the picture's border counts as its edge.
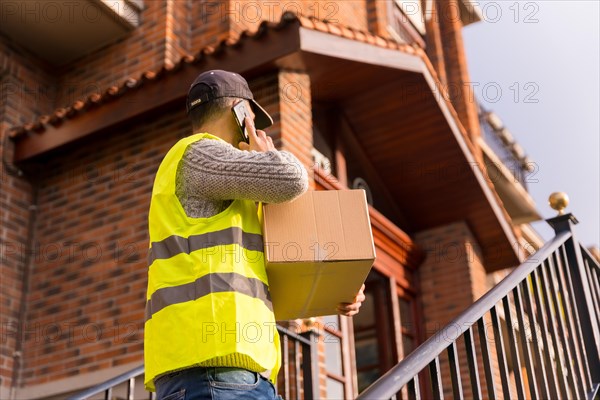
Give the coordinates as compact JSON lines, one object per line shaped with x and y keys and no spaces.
{"x":335,"y":46}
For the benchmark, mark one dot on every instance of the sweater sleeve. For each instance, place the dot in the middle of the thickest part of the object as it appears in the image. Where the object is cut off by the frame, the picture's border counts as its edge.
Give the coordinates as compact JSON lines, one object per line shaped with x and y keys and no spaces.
{"x":215,"y":170}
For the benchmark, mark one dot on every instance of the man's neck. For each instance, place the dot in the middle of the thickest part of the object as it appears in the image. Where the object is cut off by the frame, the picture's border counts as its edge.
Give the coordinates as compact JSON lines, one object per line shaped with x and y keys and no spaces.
{"x":221,"y":130}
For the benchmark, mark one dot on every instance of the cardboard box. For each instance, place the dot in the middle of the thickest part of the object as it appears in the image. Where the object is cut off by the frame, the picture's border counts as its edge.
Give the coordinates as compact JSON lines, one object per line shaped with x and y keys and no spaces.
{"x":318,"y":250}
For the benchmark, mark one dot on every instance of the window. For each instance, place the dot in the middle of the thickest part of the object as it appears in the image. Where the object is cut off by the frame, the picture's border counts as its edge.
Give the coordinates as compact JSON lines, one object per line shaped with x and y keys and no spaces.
{"x":323,"y":151}
{"x":413,"y":12}
{"x":373,"y":332}
{"x":336,"y":358}
{"x":385,"y":330}
{"x":407,"y":325}
{"x":406,"y":21}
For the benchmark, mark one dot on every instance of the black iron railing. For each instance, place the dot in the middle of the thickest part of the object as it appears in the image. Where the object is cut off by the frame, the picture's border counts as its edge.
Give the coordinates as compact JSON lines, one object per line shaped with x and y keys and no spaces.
{"x":299,"y":372}
{"x":534,"y":335}
{"x":593,"y":276}
{"x":107,"y":388}
{"x":299,"y":375}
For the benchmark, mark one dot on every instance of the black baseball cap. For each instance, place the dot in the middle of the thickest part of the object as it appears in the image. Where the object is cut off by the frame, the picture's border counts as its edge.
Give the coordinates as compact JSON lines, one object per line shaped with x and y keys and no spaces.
{"x":217,"y":83}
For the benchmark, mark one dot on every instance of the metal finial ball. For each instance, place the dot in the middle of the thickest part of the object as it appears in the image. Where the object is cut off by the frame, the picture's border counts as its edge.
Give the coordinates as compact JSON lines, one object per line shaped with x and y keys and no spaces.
{"x":559,"y":201}
{"x":310,"y":322}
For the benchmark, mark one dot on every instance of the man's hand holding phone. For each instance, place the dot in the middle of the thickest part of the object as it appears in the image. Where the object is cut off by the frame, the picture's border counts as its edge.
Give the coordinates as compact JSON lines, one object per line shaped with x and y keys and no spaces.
{"x":252,"y":139}
{"x":259,"y":140}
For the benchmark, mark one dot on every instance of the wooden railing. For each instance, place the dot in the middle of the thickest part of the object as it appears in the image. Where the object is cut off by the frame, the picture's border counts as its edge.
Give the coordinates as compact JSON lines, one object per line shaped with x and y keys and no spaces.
{"x":534,"y":335}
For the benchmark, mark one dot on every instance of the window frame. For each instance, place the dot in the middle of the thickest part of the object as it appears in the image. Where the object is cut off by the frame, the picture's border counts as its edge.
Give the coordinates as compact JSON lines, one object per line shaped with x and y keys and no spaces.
{"x":401,"y":27}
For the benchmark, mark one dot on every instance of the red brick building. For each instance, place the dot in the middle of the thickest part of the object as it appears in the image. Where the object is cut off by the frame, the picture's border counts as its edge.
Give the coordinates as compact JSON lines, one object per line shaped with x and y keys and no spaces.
{"x":367,"y":93}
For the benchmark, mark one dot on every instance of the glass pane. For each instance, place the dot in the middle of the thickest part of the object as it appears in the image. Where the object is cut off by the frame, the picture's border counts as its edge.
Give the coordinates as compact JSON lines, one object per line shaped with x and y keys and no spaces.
{"x":365,"y":378}
{"x":408,"y":345}
{"x":366,"y":316}
{"x":366,"y":352}
{"x":406,"y":314}
{"x":374,"y":331}
{"x":333,"y":354}
{"x":335,"y":389}
{"x":332,"y":322}
{"x":412,"y":9}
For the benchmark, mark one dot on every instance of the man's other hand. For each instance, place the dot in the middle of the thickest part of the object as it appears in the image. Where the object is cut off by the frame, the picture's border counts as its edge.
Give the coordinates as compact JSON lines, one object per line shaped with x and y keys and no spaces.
{"x":350,"y":309}
{"x":259,"y":141}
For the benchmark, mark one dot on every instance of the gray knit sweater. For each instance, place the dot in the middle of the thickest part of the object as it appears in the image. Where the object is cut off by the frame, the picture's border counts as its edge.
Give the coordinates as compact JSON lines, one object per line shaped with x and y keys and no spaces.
{"x":212,"y":173}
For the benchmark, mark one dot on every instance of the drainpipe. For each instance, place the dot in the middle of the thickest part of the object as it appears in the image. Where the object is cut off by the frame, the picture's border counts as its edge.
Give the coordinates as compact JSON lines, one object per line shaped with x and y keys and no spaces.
{"x":14,"y":171}
{"x":28,"y":266}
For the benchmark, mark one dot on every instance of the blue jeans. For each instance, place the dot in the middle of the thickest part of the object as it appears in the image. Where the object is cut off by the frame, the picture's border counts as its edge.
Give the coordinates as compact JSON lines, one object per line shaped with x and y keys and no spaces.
{"x":214,"y":383}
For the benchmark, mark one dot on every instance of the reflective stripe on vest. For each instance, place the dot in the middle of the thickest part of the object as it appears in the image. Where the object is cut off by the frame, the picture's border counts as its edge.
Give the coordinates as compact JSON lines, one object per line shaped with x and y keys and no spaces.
{"x":211,"y":283}
{"x":208,"y":296}
{"x":174,"y":244}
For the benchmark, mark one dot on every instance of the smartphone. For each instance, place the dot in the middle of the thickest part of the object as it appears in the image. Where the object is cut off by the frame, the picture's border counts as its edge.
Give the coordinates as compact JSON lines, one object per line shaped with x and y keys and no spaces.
{"x":240,"y":112}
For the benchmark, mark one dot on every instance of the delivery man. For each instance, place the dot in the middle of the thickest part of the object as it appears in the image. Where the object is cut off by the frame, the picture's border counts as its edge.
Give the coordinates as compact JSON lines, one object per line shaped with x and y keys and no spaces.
{"x":210,"y":331}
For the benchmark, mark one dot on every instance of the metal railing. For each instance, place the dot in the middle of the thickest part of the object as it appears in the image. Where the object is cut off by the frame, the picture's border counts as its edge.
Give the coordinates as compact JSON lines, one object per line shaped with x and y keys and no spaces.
{"x":106,"y":388}
{"x":542,"y":320}
{"x":593,"y":276}
{"x":298,"y":376}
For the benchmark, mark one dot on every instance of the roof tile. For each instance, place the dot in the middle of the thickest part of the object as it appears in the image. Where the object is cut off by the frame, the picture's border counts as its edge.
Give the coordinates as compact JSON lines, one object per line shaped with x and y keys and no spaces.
{"x":381,"y":42}
{"x":305,"y":22}
{"x":55,"y":120}
{"x":360,"y":36}
{"x":370,"y":39}
{"x":334,"y":29}
{"x":96,"y":99}
{"x":149,"y":75}
{"x":351,"y":33}
{"x":233,"y":42}
{"x":320,"y":25}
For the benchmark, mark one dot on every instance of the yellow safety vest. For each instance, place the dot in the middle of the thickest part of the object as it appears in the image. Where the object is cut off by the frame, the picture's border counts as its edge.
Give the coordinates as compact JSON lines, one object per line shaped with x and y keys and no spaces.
{"x":208,"y":301}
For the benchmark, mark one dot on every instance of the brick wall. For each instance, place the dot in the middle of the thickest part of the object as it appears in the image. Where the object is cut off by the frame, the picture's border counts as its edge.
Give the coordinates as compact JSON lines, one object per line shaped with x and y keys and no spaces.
{"x":87,"y":295}
{"x":88,"y":260}
{"x":88,"y":282}
{"x":287,"y":98}
{"x":452,"y":278}
{"x":16,"y":197}
{"x":210,"y":23}
{"x":170,"y":29}
{"x":458,"y":85}
{"x":25,"y":91}
{"x":27,"y":88}
{"x":377,"y":12}
{"x":178,"y":28}
{"x":143,"y":50}
{"x":296,"y":115}
{"x":248,"y":14}
{"x":287,"y":95}
{"x":434,"y":47}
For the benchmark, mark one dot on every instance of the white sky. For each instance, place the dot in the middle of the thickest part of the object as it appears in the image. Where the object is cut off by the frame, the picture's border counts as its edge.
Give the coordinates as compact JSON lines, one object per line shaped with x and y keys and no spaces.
{"x":544,"y":56}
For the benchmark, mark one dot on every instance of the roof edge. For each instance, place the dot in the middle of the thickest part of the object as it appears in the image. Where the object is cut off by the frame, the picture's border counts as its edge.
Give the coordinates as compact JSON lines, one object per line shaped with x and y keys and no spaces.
{"x":63,"y":114}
